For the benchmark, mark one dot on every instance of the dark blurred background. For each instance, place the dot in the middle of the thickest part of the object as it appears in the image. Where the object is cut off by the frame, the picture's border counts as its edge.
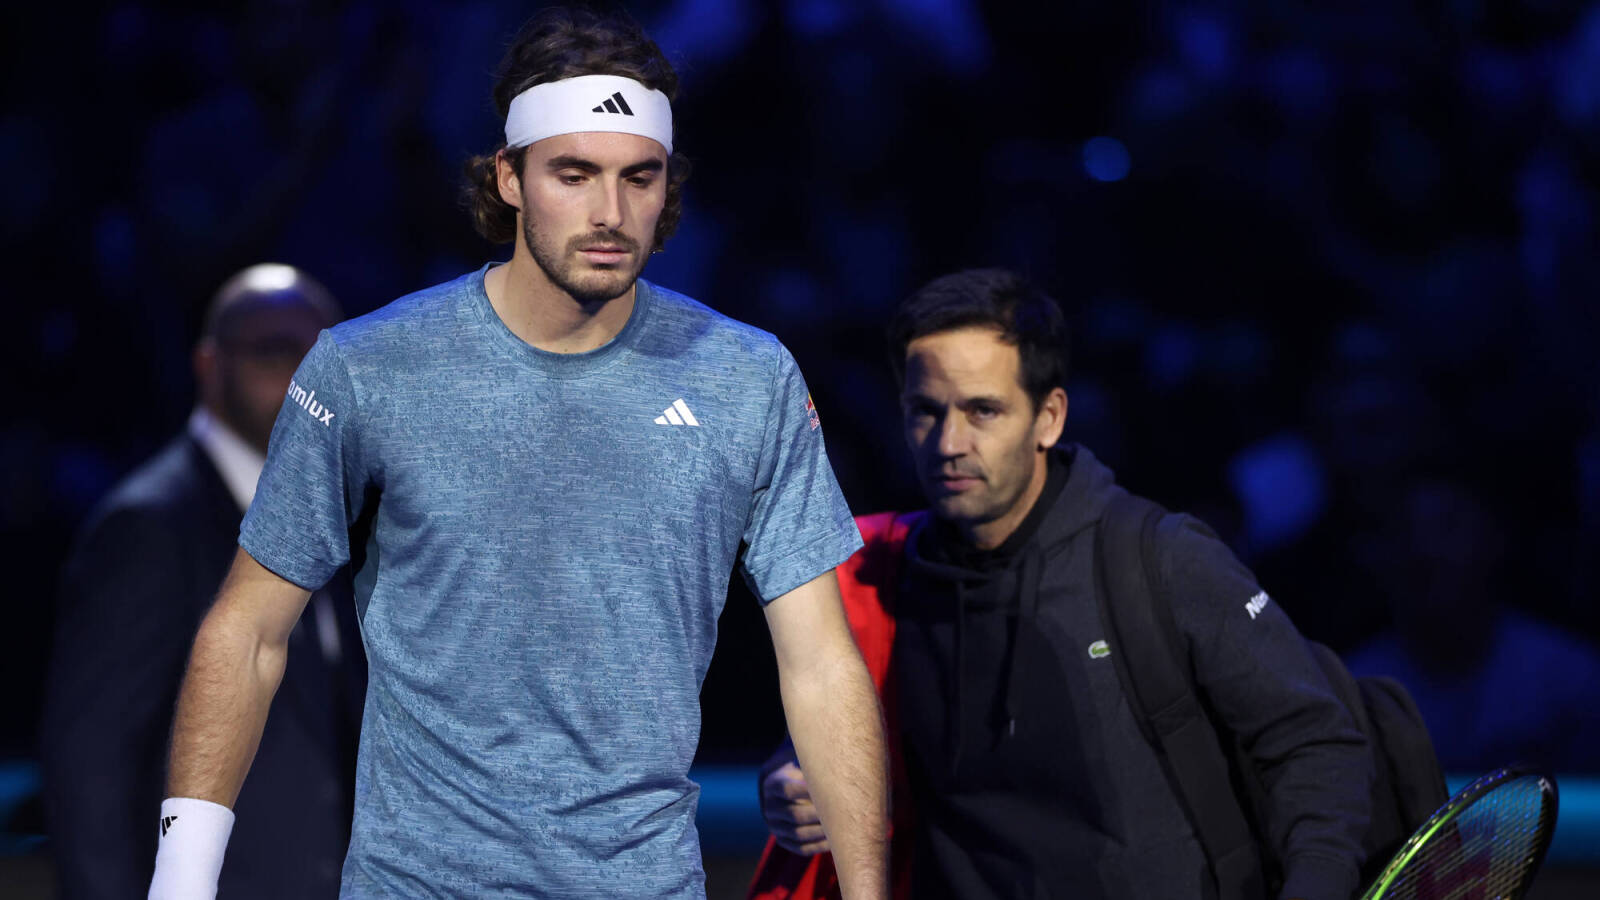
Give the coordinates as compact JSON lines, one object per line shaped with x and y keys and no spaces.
{"x":1332,"y":270}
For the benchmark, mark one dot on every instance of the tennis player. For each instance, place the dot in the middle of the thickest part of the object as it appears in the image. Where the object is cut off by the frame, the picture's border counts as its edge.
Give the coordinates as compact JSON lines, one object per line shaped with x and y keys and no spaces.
{"x":542,"y":473}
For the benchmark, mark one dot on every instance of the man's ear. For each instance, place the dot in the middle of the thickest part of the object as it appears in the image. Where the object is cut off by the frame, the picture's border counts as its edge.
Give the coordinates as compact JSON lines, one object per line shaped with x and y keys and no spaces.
{"x":509,"y":181}
{"x":1051,"y":419}
{"x":206,"y":370}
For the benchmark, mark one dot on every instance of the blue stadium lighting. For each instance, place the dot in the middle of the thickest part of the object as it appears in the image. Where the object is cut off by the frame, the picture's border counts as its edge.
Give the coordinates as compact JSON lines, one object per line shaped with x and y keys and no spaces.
{"x":1105,"y":159}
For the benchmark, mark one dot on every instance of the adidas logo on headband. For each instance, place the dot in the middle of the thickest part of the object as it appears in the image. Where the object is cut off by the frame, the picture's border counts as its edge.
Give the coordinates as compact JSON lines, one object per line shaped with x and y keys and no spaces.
{"x":568,"y":107}
{"x":613,"y":103}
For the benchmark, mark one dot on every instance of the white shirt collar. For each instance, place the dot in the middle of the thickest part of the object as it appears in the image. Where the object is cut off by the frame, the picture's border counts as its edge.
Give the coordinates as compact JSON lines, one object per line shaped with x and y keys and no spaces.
{"x":239,"y":463}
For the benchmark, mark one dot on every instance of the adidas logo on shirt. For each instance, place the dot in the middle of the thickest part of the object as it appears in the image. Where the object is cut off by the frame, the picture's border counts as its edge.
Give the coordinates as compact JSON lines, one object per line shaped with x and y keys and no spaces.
{"x":166,"y":822}
{"x":614,"y":104}
{"x":678,"y":414}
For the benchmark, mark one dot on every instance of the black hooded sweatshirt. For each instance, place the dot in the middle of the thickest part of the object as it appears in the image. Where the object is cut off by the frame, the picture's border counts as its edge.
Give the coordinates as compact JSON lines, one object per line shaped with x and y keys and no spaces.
{"x":1029,"y":775}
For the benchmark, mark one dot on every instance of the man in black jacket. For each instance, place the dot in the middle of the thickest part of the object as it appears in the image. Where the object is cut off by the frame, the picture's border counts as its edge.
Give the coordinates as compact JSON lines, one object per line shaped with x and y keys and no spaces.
{"x":141,"y":575}
{"x":1027,"y":770}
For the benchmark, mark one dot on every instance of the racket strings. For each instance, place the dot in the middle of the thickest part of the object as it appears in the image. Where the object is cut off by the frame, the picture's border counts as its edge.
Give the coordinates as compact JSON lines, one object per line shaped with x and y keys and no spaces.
{"x":1484,"y":853}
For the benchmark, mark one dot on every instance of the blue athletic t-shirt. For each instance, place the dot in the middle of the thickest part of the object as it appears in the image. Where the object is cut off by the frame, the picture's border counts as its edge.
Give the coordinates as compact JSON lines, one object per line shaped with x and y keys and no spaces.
{"x":542,"y":545}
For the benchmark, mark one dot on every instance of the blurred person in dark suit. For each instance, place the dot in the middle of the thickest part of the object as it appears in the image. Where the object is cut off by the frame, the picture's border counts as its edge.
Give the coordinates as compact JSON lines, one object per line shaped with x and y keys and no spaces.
{"x":140,"y":577}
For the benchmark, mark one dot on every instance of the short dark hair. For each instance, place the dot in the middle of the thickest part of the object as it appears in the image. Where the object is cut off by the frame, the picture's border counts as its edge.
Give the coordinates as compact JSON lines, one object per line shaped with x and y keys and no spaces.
{"x":559,"y":43}
{"x":1025,"y":316}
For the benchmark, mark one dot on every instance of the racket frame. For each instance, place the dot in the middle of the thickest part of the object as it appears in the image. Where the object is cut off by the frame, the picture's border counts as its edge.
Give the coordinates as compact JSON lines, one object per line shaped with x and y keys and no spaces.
{"x":1452,"y":809}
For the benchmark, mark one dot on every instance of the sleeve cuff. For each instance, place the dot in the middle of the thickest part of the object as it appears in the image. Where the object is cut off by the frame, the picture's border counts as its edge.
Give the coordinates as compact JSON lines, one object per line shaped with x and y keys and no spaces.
{"x":801,"y":566}
{"x":1319,"y":878}
{"x":286,"y":561}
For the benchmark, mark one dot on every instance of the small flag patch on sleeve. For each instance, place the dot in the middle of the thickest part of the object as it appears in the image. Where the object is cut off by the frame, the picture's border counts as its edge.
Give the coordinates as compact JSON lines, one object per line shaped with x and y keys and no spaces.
{"x":811,"y":413}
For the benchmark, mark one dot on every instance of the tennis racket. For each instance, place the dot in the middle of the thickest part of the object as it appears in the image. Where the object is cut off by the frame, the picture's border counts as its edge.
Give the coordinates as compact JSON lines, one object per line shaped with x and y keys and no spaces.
{"x":1485,"y":843}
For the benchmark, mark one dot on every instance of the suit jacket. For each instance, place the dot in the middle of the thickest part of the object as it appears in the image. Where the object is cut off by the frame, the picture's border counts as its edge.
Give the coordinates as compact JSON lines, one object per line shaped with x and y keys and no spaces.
{"x":139,"y":580}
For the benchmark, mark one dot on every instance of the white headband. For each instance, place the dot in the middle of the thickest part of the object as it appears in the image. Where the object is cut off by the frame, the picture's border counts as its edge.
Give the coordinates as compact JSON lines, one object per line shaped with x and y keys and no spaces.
{"x":589,"y":103}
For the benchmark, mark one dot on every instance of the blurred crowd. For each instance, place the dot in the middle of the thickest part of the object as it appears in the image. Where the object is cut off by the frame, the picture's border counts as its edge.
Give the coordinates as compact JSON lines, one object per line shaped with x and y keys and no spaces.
{"x":1332,"y":270}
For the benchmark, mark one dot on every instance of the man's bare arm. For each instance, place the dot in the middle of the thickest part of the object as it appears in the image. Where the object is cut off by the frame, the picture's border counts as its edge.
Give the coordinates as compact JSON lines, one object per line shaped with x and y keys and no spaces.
{"x":234,"y":670}
{"x":837,"y":730}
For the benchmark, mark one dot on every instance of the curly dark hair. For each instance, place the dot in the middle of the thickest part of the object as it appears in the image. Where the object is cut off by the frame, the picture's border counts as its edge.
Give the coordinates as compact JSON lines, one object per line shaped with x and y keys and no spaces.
{"x":556,"y":44}
{"x":1026,"y":317}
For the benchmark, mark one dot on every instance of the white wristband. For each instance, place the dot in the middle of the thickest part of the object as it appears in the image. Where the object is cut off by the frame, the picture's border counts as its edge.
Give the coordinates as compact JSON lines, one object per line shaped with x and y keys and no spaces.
{"x":194,"y":834}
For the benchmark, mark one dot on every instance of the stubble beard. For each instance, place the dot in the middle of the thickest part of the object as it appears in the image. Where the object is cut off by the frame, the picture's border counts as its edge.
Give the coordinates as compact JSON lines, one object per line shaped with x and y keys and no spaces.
{"x":974,"y":506}
{"x":990,"y":500}
{"x":560,"y":266}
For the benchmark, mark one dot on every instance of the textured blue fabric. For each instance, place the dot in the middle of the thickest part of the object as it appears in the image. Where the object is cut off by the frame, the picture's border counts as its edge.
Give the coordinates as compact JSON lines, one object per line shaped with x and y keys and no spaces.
{"x":542,"y":554}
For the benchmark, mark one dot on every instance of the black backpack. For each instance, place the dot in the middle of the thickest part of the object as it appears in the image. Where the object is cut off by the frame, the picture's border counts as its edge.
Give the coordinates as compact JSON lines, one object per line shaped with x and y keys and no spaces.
{"x":1212,"y":777}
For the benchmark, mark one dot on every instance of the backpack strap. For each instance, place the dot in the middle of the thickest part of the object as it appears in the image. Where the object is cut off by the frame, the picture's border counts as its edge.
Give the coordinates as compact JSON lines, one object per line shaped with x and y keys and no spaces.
{"x":1153,"y":665}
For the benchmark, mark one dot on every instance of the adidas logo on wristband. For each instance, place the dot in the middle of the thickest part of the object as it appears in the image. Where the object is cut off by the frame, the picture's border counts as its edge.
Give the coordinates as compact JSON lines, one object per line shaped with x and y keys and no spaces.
{"x":189,"y":861}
